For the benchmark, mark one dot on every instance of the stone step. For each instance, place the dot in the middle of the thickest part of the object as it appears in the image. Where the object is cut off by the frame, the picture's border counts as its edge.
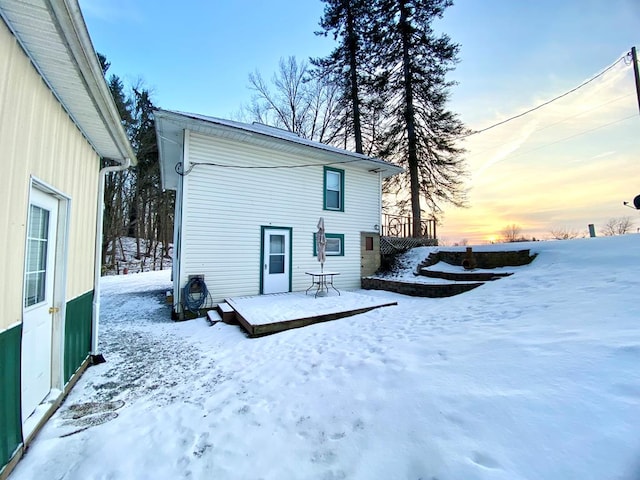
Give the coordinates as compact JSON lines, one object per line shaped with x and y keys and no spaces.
{"x":484,"y":260}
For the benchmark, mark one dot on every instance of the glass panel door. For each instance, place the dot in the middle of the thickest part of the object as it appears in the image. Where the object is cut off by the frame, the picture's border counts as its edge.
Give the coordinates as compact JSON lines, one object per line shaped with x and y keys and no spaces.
{"x":276,"y":268}
{"x":276,"y":254}
{"x":37,"y":361}
{"x":37,"y":246}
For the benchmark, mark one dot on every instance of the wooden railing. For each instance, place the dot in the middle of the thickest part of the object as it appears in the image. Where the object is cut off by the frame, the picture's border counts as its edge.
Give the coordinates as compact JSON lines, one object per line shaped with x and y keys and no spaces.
{"x":402,"y":226}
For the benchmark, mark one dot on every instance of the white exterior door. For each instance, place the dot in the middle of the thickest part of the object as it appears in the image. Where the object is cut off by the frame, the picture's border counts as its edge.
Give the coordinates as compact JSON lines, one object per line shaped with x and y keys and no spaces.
{"x":38,"y":300}
{"x":276,"y":254}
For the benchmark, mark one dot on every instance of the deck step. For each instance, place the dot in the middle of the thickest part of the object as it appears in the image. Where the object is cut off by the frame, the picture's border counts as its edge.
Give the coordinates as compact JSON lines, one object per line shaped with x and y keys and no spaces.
{"x":213,"y":317}
{"x":227,"y":313}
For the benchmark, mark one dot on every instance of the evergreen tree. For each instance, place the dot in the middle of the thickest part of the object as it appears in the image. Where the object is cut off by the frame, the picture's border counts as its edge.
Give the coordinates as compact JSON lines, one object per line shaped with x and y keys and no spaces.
{"x":117,"y":184}
{"x":123,"y":103}
{"x":104,"y":63}
{"x":346,"y":20}
{"x":411,"y":62}
{"x":149,"y":217}
{"x":135,"y":204}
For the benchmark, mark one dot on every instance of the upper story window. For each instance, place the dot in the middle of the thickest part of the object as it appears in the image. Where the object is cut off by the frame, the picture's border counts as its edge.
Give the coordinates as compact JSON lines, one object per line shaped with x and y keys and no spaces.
{"x":333,"y":189}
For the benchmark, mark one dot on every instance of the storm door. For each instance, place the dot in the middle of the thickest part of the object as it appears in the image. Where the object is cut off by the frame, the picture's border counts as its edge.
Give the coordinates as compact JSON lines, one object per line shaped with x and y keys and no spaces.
{"x":37,"y":326}
{"x":276,"y":260}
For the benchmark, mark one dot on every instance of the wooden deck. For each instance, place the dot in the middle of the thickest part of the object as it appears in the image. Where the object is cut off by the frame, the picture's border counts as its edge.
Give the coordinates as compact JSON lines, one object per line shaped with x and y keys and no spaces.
{"x":266,"y":314}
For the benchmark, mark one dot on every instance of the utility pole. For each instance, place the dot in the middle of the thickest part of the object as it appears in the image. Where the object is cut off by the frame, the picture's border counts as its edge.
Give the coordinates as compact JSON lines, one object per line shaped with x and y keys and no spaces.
{"x":634,"y":59}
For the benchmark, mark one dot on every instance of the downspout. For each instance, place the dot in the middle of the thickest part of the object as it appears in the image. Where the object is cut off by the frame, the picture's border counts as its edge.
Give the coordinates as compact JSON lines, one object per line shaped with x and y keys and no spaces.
{"x":95,"y":356}
{"x":380,"y":218}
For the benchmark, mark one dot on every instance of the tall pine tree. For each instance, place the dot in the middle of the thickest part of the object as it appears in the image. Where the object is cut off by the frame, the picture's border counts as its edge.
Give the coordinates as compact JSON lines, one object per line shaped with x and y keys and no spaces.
{"x":411,"y":62}
{"x":117,"y":184}
{"x":346,"y":20}
{"x":135,"y":205}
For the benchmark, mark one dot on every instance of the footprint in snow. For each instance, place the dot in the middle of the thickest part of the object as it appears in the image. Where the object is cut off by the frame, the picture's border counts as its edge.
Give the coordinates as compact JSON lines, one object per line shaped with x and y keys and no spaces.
{"x":325,"y":457}
{"x":79,"y":410}
{"x":358,"y":425}
{"x":202,"y":445}
{"x":85,"y":415}
{"x":244,"y":410}
{"x":88,"y":421}
{"x":484,"y":460}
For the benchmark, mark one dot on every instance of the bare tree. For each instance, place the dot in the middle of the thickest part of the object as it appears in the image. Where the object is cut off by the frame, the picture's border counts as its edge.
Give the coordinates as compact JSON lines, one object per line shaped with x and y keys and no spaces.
{"x":625,"y":224}
{"x":297,"y":102}
{"x":617,"y":226}
{"x":116,"y":214}
{"x":511,"y":233}
{"x":135,"y":205}
{"x":563,"y":233}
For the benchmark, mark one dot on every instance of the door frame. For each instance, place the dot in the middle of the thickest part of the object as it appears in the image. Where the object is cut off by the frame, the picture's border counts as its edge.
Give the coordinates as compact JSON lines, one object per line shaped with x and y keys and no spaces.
{"x":59,"y":280}
{"x":263,"y":230}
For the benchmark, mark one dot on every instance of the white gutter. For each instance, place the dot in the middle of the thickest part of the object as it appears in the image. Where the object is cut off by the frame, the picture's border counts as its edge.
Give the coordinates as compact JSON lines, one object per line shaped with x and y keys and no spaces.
{"x":95,"y":355}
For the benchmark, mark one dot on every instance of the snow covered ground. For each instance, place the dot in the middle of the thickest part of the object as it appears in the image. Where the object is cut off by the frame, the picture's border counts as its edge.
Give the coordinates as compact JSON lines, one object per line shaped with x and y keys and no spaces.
{"x":534,"y":376}
{"x":126,"y":261}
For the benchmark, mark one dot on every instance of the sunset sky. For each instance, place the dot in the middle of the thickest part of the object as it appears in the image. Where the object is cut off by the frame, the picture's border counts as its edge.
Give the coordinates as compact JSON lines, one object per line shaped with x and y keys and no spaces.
{"x":564,"y":166}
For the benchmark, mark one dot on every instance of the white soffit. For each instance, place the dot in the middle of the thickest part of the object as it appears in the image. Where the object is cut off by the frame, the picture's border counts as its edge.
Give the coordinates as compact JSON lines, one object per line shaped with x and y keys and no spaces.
{"x":54,"y":36}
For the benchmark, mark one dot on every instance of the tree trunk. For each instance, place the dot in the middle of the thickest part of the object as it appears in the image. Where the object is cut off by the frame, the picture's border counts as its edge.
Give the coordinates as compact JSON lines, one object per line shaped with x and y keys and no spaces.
{"x":409,"y":114}
{"x":353,"y":73}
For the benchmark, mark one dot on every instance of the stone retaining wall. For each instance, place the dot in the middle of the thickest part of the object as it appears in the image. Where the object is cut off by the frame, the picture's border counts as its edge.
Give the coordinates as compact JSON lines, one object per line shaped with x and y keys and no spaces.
{"x":515,"y":258}
{"x":417,"y":289}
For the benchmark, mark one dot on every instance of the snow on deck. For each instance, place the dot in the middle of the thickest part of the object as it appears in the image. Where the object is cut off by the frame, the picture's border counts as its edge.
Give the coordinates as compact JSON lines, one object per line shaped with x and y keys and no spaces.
{"x":290,"y":310}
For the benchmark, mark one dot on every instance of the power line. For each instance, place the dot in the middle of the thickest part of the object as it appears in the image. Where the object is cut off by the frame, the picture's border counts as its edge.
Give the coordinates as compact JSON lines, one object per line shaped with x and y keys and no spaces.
{"x":579,"y":114}
{"x":179,"y":168}
{"x":476,"y":153}
{"x":573,"y":136}
{"x":547,"y":102}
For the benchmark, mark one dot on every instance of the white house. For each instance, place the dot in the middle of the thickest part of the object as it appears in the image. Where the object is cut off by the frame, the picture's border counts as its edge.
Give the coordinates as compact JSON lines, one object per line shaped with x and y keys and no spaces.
{"x":248,"y":200}
{"x":57,"y":119}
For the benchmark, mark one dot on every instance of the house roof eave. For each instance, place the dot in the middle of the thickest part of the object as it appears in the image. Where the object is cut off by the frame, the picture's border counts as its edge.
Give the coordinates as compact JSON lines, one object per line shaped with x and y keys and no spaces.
{"x":171,"y":124}
{"x":54,"y":36}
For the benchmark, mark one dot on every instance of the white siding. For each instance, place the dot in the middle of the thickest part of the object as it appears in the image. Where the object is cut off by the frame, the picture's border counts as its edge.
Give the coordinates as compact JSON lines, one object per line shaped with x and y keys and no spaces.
{"x":224,"y":209}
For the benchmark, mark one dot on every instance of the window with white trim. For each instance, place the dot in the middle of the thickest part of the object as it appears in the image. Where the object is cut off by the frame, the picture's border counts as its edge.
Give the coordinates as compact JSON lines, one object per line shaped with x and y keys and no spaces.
{"x":333,"y":189}
{"x":334,"y":246}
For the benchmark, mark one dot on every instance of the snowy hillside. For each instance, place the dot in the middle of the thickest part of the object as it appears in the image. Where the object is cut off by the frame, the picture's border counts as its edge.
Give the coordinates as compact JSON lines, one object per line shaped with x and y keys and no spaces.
{"x":534,"y":376}
{"x":133,"y":257}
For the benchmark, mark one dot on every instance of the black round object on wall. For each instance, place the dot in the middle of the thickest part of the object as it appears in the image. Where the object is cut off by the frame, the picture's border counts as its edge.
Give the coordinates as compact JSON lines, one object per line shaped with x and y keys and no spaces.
{"x":636,"y":202}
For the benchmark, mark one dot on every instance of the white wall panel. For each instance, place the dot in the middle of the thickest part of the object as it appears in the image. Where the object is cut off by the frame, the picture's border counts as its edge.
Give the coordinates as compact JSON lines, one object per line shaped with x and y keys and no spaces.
{"x":224,"y":209}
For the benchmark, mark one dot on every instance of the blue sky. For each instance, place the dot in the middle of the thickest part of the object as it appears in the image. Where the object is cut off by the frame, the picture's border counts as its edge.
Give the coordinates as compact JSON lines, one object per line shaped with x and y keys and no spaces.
{"x":517,"y":51}
{"x":196,"y":57}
